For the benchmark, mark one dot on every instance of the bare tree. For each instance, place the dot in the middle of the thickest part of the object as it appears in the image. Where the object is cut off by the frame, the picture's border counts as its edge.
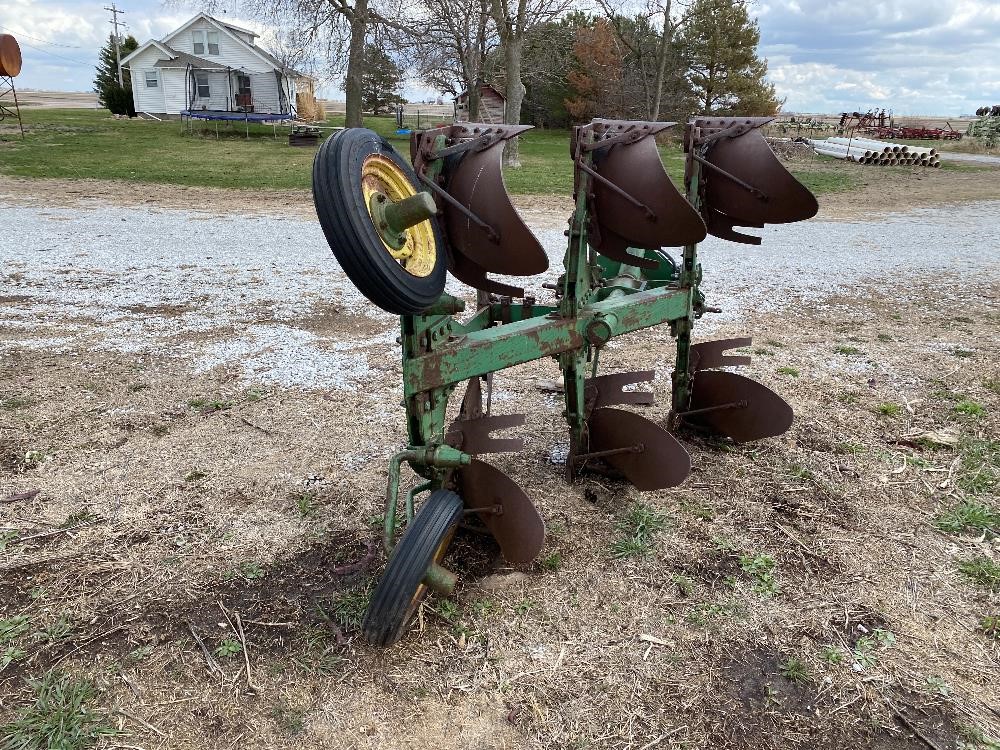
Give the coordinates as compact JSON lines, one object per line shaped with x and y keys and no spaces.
{"x":455,"y":40}
{"x":514,"y":19}
{"x":661,"y":14}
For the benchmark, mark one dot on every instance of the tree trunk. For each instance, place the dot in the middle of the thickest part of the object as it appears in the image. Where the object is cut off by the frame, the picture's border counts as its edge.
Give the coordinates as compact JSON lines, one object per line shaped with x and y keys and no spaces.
{"x":473,"y":101}
{"x":515,"y":95}
{"x":661,"y":63}
{"x":355,"y":65}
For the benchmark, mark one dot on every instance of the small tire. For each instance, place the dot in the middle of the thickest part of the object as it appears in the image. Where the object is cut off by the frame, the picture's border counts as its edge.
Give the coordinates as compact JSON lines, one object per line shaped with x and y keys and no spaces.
{"x":401,"y":588}
{"x":343,"y":212}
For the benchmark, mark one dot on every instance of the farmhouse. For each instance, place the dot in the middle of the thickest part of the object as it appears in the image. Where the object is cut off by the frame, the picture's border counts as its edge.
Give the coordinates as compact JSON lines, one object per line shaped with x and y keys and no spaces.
{"x":208,"y":64}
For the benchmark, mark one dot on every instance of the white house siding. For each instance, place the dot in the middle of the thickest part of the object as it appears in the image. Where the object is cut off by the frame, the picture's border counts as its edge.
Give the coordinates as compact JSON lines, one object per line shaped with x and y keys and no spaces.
{"x":231,"y":52}
{"x":174,"y":93}
{"x":245,"y":37}
{"x":146,"y":99}
{"x":265,"y":92}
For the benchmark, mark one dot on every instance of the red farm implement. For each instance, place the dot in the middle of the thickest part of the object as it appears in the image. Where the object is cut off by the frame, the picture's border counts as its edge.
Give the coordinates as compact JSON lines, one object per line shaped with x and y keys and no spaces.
{"x":880,"y":124}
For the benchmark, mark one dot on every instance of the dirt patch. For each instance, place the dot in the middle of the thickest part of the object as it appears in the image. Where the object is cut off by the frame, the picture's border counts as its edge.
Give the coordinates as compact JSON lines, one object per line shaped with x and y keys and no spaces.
{"x":883,"y":191}
{"x":267,"y":501}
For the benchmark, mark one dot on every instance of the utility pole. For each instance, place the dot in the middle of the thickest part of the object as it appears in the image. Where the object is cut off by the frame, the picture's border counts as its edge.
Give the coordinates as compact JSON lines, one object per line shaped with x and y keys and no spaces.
{"x":118,"y":55}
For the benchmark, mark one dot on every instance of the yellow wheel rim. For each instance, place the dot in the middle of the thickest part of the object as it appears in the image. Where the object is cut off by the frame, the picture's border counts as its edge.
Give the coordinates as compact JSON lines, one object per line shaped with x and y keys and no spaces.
{"x":379,"y":174}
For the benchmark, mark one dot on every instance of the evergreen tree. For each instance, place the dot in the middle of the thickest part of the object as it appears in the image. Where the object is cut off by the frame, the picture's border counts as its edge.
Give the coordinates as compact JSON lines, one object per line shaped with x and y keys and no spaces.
{"x":381,"y":79}
{"x":720,"y":42}
{"x":112,"y":96}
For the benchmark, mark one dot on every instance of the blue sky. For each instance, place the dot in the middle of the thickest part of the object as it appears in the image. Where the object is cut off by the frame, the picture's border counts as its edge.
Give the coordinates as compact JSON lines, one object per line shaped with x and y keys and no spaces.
{"x":940,"y":58}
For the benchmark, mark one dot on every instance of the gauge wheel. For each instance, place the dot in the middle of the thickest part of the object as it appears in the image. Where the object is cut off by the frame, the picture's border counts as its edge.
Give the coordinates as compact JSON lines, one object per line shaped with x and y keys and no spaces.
{"x":402,"y":587}
{"x":353,"y":167}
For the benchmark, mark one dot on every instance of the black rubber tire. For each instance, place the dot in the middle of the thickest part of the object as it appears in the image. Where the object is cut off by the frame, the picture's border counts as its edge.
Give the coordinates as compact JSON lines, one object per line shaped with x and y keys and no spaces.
{"x":343,"y":214}
{"x":398,"y":593}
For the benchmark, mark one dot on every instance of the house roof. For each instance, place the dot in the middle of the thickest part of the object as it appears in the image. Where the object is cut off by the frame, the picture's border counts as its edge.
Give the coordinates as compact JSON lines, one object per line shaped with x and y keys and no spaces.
{"x":183,"y":59}
{"x":238,"y":28}
{"x":227,"y":29}
{"x":151,"y":43}
{"x":178,"y":59}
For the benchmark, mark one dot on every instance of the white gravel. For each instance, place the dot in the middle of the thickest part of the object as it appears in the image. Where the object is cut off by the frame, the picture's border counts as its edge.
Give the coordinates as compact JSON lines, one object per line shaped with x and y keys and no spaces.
{"x":233,"y":291}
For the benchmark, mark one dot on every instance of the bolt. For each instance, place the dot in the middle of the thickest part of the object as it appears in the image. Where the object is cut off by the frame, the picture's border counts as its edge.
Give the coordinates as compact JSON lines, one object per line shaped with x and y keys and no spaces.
{"x":380,"y":198}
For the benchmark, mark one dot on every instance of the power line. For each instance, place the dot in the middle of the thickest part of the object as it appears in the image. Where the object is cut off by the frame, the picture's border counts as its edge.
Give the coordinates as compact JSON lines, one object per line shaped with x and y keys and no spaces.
{"x":38,"y":39}
{"x":53,"y":54}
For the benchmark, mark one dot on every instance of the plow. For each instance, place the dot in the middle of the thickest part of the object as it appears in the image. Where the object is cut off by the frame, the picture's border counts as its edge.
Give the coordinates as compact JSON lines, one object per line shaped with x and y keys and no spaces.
{"x":399,"y":227}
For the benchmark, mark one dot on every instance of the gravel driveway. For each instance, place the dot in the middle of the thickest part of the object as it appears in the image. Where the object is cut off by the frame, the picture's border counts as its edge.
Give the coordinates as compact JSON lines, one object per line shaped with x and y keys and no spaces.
{"x":235,"y":291}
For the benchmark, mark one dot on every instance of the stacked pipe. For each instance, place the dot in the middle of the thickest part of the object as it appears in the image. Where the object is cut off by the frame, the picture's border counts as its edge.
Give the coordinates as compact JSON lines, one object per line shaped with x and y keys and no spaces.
{"x":880,"y":153}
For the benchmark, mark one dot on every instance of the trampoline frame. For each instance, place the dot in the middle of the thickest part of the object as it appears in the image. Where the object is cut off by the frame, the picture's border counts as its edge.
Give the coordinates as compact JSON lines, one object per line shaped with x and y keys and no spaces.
{"x":218,"y":116}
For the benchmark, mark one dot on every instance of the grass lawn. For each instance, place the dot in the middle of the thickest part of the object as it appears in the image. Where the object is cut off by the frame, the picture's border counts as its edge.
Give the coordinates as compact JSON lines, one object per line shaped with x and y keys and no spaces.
{"x":82,"y":143}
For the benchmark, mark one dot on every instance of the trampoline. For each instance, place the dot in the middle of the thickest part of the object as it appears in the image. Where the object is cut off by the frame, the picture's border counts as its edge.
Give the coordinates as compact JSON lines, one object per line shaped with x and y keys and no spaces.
{"x":244,"y":117}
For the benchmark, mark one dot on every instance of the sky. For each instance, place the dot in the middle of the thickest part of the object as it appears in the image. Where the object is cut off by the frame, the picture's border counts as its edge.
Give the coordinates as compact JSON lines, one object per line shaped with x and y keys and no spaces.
{"x":938,"y":58}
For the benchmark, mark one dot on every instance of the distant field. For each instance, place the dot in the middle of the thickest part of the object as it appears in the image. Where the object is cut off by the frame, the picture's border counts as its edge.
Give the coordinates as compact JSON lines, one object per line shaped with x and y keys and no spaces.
{"x":79,"y":143}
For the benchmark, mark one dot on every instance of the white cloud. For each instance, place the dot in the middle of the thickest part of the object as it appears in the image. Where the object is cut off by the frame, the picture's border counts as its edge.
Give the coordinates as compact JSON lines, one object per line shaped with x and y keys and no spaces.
{"x":940,"y":58}
{"x":933,"y":59}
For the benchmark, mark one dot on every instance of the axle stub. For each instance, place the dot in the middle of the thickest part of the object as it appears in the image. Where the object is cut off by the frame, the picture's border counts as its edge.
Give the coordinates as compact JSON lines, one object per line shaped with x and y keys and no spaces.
{"x":413,"y":568}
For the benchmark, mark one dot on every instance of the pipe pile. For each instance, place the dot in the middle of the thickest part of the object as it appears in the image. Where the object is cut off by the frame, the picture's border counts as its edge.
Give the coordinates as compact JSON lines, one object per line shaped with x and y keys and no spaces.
{"x":879,"y":153}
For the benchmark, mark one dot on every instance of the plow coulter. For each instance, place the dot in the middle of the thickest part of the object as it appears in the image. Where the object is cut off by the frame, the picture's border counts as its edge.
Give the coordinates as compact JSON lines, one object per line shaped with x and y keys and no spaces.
{"x":631,"y":262}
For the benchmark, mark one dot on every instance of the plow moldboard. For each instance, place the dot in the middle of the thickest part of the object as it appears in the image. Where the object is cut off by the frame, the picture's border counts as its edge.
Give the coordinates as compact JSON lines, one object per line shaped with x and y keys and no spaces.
{"x":477,"y":183}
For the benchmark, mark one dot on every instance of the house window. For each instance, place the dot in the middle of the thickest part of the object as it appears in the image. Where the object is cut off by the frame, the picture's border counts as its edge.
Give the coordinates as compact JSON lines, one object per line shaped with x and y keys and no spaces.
{"x":204,"y":91}
{"x":205,"y":42}
{"x":152,"y":79}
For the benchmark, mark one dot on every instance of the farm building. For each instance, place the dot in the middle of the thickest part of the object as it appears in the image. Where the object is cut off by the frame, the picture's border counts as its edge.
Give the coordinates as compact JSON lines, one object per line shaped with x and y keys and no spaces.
{"x":208,"y":64}
{"x":491,"y":106}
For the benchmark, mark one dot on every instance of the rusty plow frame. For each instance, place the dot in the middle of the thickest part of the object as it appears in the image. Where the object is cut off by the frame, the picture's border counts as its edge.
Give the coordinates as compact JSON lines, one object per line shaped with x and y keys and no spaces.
{"x":618,"y":277}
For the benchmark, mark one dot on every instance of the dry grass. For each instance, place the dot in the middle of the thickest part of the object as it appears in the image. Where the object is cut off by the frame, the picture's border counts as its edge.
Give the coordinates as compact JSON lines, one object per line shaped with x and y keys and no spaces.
{"x":798,"y":592}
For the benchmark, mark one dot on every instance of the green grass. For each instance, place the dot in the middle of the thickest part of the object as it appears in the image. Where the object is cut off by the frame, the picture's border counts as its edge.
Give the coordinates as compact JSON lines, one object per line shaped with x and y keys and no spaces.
{"x":980,"y":469}
{"x":552,"y":562}
{"x":981,"y":570}
{"x":990,"y":625}
{"x":832,"y":654}
{"x":61,"y":717}
{"x":888,"y":409}
{"x":969,"y":516}
{"x":788,"y":371}
{"x":795,"y":670}
{"x":228,"y":647}
{"x":760,"y":569}
{"x":970,"y":408}
{"x":81,"y":143}
{"x":14,"y":627}
{"x":636,"y":531}
{"x":348,"y":608}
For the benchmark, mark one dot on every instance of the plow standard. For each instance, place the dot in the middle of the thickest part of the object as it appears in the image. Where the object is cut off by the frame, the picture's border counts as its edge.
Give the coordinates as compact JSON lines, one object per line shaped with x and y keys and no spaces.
{"x":397,"y":230}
